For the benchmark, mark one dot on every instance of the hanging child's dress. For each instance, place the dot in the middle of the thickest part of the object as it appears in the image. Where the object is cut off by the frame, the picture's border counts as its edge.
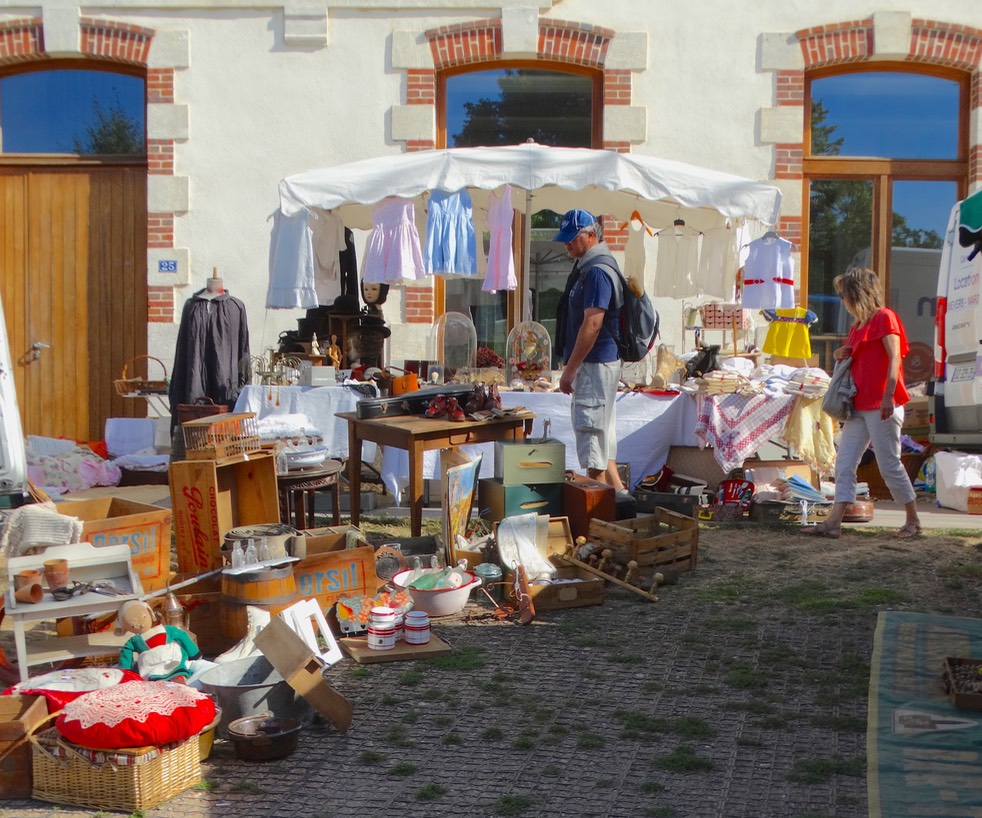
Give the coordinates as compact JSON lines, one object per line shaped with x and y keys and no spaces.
{"x":501,"y":261}
{"x":768,"y":275}
{"x":393,"y":251}
{"x":788,"y":334}
{"x":451,"y":246}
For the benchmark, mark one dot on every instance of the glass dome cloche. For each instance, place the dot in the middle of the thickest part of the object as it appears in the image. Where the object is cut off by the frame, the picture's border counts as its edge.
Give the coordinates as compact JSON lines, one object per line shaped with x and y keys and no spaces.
{"x":453,"y":342}
{"x":529,"y":352}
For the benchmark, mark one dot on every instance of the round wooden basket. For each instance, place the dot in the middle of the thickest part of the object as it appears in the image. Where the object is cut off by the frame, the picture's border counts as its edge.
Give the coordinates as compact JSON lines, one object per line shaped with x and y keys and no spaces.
{"x":135,"y":386}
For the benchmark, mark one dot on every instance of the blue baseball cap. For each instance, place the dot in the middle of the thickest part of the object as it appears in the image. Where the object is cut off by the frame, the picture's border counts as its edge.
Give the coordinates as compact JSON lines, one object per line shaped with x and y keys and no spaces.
{"x":573,"y":222}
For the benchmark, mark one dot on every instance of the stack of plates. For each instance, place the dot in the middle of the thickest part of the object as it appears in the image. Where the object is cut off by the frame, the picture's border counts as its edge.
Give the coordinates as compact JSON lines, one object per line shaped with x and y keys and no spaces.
{"x":306,"y":458}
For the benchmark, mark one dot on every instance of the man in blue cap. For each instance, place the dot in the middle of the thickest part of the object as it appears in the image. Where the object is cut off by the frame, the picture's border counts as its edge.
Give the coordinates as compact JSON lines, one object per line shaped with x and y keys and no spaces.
{"x":586,"y":321}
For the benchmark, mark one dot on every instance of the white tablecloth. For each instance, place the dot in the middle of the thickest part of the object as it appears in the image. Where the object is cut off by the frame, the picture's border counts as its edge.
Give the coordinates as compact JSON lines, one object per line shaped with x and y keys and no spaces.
{"x":647,"y":425}
{"x":319,"y":403}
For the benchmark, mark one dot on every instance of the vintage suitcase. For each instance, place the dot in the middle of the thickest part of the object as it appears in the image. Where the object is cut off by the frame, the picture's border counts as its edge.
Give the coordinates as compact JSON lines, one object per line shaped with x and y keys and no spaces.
{"x":410,"y":403}
{"x":584,"y":499}
{"x":519,"y":462}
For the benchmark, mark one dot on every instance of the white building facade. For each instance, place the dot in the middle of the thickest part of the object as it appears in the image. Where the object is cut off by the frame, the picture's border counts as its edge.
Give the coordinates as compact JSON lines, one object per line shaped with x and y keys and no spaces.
{"x":241,"y":93}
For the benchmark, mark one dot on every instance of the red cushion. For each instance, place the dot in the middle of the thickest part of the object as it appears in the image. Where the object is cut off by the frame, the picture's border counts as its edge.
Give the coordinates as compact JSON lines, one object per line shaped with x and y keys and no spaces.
{"x":62,"y":686}
{"x":136,"y":715}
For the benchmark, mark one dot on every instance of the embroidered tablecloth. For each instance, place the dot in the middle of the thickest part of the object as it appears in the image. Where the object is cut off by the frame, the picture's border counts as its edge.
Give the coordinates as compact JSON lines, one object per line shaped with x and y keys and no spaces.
{"x":736,"y":426}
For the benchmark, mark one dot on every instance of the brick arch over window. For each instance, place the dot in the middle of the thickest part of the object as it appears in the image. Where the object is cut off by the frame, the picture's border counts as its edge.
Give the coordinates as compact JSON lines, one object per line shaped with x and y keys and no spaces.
{"x":480,"y":41}
{"x":22,"y":41}
{"x":932,"y":43}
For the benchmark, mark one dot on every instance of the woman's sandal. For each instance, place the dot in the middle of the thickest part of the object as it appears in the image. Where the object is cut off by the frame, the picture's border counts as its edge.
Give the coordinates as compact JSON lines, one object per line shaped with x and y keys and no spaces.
{"x":907,"y":531}
{"x":821,"y":530}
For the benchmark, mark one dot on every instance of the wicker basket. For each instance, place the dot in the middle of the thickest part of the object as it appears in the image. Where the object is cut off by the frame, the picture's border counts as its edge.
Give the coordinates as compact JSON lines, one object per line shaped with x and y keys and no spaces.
{"x":137,"y":386}
{"x":121,"y":780}
{"x":221,"y":436}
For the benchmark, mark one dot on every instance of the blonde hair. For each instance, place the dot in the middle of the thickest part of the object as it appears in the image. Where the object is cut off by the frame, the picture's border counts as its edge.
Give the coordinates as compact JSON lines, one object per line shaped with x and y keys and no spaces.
{"x":861,"y":286}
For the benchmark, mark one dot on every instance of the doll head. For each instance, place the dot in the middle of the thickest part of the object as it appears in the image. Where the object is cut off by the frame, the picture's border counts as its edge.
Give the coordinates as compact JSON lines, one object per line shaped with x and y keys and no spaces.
{"x":374,"y":295}
{"x":135,"y":616}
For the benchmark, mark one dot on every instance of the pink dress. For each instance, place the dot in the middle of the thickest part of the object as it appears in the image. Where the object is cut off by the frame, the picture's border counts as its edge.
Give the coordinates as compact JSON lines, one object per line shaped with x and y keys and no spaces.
{"x":393,"y":250}
{"x":501,"y":261}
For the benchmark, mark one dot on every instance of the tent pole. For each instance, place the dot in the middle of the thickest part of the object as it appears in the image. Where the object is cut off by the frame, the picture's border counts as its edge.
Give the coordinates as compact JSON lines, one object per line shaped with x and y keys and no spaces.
{"x":527,"y":258}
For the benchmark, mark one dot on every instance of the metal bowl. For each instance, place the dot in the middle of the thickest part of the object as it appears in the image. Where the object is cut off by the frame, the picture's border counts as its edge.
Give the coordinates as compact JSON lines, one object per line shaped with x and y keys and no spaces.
{"x":264,"y":738}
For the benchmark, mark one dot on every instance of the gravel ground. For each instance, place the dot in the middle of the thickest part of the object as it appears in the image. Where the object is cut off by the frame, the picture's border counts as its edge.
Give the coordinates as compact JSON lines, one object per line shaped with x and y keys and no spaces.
{"x":741,"y":693}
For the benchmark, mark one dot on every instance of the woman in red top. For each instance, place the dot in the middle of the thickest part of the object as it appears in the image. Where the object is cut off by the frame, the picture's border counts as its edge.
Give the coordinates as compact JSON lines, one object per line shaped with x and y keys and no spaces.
{"x":876,"y":343}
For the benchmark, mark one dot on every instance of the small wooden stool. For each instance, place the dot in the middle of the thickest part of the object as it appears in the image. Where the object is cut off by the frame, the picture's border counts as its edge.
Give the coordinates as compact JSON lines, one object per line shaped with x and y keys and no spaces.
{"x":298,"y":489}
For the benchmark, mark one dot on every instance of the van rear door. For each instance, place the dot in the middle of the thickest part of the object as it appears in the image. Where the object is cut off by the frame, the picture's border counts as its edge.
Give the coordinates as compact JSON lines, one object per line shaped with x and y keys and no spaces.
{"x":956,"y":418}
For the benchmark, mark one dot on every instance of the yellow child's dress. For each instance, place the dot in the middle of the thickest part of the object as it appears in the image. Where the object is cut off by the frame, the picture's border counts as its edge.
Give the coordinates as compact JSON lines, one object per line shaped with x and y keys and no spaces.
{"x":788,"y":334}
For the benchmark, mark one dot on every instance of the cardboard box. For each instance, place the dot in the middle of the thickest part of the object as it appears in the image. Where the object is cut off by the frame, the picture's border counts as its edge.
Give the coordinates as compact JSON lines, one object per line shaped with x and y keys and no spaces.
{"x":575,"y":587}
{"x":18,"y":715}
{"x":917,"y":420}
{"x":209,"y":499}
{"x":303,"y":671}
{"x":497,"y":501}
{"x":329,"y":570}
{"x":521,"y":462}
{"x":143,"y":527}
{"x":774,"y":468}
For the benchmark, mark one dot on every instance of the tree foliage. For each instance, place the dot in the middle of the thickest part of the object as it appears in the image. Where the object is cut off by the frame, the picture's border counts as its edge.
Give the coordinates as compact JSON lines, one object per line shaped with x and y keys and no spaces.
{"x":113,"y":132}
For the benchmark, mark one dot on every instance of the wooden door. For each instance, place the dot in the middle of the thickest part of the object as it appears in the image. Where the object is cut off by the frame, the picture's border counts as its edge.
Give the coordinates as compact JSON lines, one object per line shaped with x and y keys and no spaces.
{"x":74,"y":287}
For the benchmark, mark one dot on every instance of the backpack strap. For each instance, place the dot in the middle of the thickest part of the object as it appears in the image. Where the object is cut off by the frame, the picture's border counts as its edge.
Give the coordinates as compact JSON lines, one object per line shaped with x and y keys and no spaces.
{"x":609,"y":266}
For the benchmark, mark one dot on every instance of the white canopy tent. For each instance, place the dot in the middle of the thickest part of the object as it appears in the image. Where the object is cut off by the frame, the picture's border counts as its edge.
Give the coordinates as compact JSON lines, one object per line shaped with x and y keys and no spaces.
{"x":542,"y":178}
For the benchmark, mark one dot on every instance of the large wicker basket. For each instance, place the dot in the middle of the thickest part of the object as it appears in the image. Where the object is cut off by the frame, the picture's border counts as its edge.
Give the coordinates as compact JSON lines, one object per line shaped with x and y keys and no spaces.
{"x":138,"y":386}
{"x":120,"y":780}
{"x":870,"y":474}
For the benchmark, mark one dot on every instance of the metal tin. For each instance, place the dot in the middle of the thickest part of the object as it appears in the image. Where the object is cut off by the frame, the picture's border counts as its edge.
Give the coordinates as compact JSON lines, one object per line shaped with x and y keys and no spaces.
{"x":417,"y":628}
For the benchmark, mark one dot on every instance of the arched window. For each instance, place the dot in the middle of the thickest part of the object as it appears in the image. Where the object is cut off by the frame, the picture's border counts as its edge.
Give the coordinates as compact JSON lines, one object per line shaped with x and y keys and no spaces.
{"x":507,"y":104}
{"x":885,"y":159}
{"x":88,"y":112}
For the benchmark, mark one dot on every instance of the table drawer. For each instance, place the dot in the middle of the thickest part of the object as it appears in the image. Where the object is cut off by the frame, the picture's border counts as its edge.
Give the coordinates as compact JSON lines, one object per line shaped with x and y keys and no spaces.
{"x":498,"y":501}
{"x":521,"y":462}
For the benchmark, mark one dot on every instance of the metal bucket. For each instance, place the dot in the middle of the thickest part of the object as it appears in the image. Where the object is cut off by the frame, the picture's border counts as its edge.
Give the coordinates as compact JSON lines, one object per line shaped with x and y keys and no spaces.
{"x":251,"y":687}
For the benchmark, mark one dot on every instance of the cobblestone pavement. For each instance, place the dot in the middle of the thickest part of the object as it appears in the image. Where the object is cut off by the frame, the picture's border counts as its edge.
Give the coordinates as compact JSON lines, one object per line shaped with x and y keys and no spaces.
{"x":732,"y":696}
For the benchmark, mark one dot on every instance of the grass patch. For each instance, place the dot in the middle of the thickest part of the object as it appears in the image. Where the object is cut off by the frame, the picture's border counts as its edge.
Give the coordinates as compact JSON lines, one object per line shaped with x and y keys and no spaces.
{"x":729,"y":590}
{"x":818,"y":770}
{"x":411,"y":717}
{"x":625,"y":658}
{"x":880,"y":596}
{"x":589,"y":741}
{"x":370,"y":757}
{"x":810,"y":596}
{"x":411,"y":678}
{"x":388,"y":699}
{"x":467,"y":658}
{"x":746,"y":677}
{"x":451,"y":739}
{"x":512,"y":804}
{"x":361,"y":672}
{"x":840,"y":724}
{"x":661,"y":811}
{"x":756,"y":707}
{"x":430,"y":792}
{"x":683,"y":760}
{"x":403,"y":768}
{"x":249,"y":787}
{"x":651,"y":787}
{"x":551,"y":770}
{"x":492,"y":734}
{"x":692,"y":727}
{"x":746,"y":741}
{"x":524,"y":742}
{"x":205,"y":785}
{"x":640,"y":725}
{"x":604,"y":783}
{"x":443,"y":721}
{"x":398,"y":736}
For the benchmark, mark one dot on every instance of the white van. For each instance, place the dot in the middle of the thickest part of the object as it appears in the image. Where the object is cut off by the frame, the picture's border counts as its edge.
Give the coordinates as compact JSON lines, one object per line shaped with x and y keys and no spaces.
{"x":13,"y":461}
{"x":956,"y":405}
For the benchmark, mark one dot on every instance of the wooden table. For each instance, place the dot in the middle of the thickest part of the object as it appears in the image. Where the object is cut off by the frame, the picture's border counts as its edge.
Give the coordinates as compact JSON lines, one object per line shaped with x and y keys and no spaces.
{"x":298,"y":489}
{"x":417,"y":434}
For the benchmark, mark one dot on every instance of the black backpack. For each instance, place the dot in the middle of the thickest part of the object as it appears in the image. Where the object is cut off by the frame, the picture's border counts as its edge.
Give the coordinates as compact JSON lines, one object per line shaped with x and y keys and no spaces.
{"x":638,"y":325}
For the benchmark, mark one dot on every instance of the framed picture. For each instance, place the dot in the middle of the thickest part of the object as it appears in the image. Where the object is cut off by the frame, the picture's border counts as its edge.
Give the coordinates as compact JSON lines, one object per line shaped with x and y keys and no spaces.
{"x":459,"y":487}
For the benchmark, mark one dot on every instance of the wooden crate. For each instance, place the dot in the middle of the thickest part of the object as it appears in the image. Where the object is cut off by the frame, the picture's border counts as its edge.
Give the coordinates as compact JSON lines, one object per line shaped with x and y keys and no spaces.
{"x":665,"y":538}
{"x":221,"y":437}
{"x":210,"y":498}
{"x":19,"y":715}
{"x":963,"y":700}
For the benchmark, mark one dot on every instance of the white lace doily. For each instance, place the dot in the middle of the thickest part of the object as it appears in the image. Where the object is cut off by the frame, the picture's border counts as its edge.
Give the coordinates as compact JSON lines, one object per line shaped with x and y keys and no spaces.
{"x":135,"y":701}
